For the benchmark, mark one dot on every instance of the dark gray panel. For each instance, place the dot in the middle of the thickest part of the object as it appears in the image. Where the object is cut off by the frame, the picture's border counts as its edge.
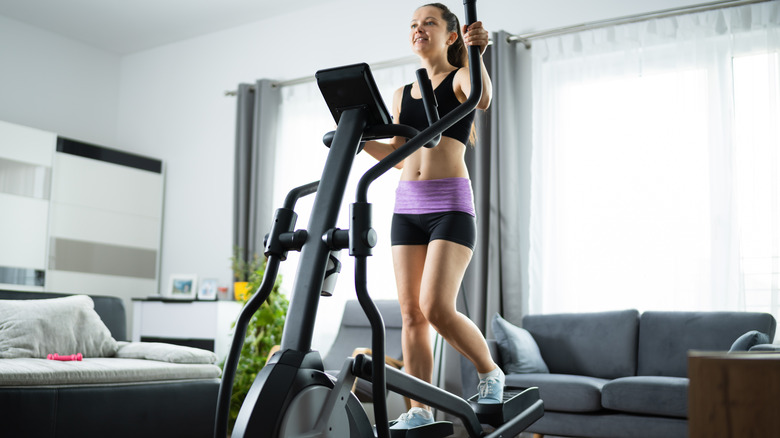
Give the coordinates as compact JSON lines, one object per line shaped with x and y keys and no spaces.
{"x":101,"y":258}
{"x":95,"y":152}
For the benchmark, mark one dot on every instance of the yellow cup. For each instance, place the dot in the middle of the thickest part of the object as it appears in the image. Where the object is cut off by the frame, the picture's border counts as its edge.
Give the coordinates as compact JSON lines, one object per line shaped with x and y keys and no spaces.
{"x":241,"y":290}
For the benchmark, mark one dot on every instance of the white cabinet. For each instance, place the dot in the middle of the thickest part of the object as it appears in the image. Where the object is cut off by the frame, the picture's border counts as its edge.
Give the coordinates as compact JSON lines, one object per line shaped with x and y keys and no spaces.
{"x":77,"y":217}
{"x":105,"y":221}
{"x":202,"y":324}
{"x":26,"y":157}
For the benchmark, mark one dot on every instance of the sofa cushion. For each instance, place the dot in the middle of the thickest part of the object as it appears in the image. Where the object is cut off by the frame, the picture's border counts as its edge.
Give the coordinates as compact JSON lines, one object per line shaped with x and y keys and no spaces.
{"x":110,"y":309}
{"x":599,"y":344}
{"x":42,"y":372}
{"x":164,"y":352}
{"x":749,"y":340}
{"x":562,"y":392}
{"x":666,"y":337}
{"x":518,"y":350}
{"x":37,"y":328}
{"x":647,"y":395}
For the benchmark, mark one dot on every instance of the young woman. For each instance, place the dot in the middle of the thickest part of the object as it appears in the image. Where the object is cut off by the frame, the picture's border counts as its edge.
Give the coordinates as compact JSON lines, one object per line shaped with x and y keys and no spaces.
{"x":434,"y":226}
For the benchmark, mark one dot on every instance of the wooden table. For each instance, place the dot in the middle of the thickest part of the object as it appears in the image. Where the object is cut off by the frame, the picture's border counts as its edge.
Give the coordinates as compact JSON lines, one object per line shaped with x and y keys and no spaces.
{"x":734,"y":394}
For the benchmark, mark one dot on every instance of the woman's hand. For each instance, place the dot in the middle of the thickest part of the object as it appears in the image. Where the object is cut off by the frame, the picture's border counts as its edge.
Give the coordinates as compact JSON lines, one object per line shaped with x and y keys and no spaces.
{"x":476,"y":35}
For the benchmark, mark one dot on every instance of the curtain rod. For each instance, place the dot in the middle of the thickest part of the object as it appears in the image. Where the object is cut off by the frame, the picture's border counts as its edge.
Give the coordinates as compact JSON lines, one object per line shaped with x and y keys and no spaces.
{"x":304,"y":79}
{"x":525,"y":38}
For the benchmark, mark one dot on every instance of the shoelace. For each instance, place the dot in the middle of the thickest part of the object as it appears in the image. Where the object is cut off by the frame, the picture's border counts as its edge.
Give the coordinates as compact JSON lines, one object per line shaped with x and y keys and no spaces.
{"x":485,"y":386}
{"x":405,"y":416}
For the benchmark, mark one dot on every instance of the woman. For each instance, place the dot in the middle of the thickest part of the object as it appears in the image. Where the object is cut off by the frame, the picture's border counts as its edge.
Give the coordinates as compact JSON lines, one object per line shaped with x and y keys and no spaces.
{"x":434,"y":226}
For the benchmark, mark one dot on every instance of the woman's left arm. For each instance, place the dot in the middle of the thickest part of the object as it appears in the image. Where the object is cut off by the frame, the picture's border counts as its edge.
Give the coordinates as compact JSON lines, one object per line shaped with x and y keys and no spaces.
{"x":476,"y":35}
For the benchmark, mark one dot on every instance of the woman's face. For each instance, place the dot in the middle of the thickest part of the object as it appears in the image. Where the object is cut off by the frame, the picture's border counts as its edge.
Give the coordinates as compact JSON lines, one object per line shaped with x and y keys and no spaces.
{"x":428,"y":31}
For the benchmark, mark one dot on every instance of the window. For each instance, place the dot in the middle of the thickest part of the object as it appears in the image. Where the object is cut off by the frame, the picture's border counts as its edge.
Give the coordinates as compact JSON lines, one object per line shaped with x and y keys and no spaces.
{"x":631,"y":200}
{"x":656,"y":166}
{"x":757,"y":135}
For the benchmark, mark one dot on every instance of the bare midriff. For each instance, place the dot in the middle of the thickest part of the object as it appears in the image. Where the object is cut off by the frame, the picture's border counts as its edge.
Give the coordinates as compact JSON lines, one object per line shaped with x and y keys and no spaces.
{"x":443,"y":161}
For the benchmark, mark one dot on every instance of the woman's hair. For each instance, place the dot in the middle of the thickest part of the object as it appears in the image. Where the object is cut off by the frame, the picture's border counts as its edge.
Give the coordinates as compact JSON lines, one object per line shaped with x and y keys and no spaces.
{"x":456,"y":53}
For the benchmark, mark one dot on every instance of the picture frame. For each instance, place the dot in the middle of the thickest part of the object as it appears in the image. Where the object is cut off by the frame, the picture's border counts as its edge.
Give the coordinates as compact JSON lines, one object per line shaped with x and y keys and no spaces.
{"x":207,"y":290}
{"x":182,"y":287}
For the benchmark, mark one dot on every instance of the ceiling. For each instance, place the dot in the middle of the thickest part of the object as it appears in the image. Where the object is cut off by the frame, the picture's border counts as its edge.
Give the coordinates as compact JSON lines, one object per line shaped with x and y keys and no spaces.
{"x":127,"y":26}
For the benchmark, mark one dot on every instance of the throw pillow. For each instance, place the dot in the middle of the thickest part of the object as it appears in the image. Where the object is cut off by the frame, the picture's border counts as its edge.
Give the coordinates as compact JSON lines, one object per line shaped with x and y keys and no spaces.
{"x":164,"y":352}
{"x":518,"y":349}
{"x":68,"y":325}
{"x":749,"y":339}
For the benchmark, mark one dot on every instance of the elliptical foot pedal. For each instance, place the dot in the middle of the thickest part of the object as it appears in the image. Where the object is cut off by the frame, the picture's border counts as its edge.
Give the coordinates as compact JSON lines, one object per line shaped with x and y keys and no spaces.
{"x":516,"y":400}
{"x":437,"y":429}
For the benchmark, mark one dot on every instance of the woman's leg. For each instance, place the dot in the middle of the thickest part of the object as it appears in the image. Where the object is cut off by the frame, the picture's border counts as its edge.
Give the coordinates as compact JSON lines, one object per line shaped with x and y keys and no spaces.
{"x":408,"y":262}
{"x":445,"y":265}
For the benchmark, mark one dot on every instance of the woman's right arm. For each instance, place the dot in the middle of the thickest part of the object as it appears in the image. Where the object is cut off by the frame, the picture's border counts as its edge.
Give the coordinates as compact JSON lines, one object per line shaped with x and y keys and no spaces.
{"x":379,"y":149}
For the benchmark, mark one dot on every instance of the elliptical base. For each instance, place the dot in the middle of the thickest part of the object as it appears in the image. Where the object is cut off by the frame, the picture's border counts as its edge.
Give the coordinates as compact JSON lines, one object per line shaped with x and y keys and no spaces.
{"x":516,"y":400}
{"x":438,"y":429}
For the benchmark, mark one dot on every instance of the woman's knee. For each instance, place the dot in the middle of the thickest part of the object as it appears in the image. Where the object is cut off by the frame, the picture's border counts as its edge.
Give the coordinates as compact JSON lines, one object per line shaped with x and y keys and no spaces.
{"x":413,"y":318}
{"x":437,"y":313}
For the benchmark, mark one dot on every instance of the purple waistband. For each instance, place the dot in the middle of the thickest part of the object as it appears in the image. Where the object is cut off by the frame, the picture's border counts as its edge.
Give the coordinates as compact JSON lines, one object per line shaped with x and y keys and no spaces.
{"x":434,"y":196}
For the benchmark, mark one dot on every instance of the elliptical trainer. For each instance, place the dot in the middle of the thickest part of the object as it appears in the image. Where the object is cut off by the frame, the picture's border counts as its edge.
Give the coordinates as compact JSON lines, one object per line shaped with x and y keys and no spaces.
{"x":292,"y":396}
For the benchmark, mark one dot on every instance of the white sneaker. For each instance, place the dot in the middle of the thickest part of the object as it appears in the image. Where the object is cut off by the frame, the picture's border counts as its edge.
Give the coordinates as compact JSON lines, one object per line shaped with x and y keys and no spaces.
{"x":414,"y":418}
{"x":491,"y":389}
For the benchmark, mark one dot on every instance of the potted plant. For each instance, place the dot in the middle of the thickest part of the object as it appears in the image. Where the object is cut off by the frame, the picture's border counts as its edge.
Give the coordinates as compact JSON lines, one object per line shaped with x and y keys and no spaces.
{"x":262,"y":334}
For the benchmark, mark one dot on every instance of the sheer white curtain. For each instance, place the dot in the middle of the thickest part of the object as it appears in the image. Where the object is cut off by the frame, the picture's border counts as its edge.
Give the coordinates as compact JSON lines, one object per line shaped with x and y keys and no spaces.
{"x":304,"y":118}
{"x":655,"y":172}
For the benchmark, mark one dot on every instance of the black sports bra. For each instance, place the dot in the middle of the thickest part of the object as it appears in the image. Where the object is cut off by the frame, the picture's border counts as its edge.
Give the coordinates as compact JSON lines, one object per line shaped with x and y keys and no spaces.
{"x":413,"y":111}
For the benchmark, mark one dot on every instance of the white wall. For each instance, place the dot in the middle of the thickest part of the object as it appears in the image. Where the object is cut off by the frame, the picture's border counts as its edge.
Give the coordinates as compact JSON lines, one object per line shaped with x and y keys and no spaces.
{"x":58,"y":85}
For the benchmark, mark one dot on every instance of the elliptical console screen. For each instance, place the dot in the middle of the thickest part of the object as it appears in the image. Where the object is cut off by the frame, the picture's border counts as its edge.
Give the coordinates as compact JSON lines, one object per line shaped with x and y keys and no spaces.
{"x":353,"y":86}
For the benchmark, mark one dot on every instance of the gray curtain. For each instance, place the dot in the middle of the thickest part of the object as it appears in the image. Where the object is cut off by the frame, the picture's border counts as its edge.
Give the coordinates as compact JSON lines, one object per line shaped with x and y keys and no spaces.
{"x":256,"y":122}
{"x":500,"y":171}
{"x":499,"y":166}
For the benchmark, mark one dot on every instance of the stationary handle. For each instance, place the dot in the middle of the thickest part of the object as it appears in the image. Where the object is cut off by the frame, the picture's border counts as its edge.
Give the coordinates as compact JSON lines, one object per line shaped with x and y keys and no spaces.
{"x":429,"y":102}
{"x":428,"y":97}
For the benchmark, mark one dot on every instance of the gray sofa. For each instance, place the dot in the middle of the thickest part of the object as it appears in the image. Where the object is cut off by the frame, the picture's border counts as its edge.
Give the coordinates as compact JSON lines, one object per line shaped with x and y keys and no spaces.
{"x":615,"y":374}
{"x":130,"y":390}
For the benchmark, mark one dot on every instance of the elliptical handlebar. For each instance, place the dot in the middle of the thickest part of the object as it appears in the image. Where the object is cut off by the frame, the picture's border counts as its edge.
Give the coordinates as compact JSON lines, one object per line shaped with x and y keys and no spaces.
{"x":376,"y":132}
{"x":276,"y":252}
{"x":470,"y":7}
{"x":231,"y":360}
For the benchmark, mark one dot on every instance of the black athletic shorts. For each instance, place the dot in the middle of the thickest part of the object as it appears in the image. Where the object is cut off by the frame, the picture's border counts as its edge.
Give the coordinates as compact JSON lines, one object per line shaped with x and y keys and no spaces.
{"x":421,"y":229}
